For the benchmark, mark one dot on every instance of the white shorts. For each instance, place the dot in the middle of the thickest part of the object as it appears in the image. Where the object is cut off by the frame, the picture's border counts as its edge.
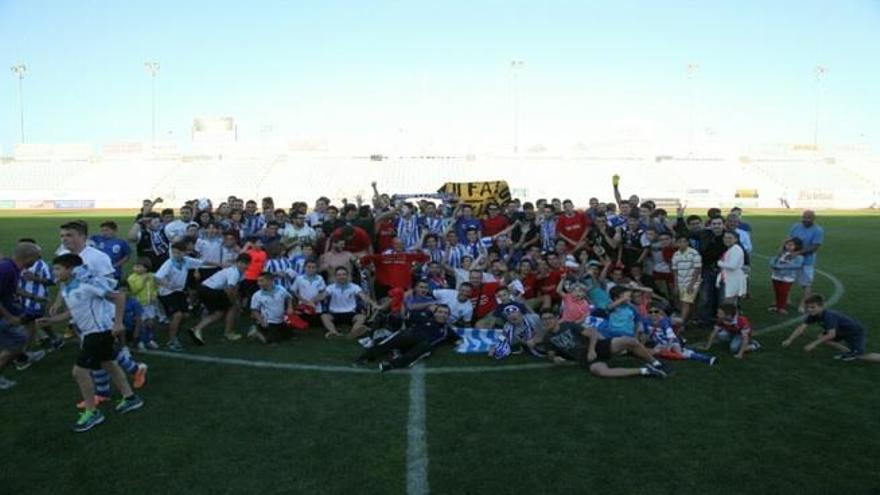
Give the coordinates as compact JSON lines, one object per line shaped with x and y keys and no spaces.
{"x":805,"y":275}
{"x":150,"y":312}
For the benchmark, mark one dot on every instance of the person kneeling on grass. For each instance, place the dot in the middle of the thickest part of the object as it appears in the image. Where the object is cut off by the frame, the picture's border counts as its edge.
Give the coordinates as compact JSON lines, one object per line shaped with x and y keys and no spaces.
{"x":268,"y":308}
{"x":734,"y":327}
{"x":413,"y":343}
{"x":98,"y":320}
{"x":664,"y":343}
{"x":219,"y":295}
{"x":838,"y":330}
{"x":573,"y":342}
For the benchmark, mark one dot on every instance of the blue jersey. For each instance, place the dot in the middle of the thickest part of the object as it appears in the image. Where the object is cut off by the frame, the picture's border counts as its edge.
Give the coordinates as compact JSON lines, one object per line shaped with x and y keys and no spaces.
{"x":462,"y":225}
{"x":409,"y":231}
{"x":298,"y":263}
{"x":622,"y":322}
{"x":660,"y":334}
{"x":810,"y":236}
{"x":282,"y":268}
{"x":115,"y":248}
{"x":31,"y":305}
{"x":133,"y":311}
{"x":253,"y":224}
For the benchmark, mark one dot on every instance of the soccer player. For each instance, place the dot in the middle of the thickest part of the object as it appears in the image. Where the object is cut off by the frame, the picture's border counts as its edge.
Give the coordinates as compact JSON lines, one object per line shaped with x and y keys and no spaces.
{"x":98,"y":321}
{"x":13,"y":338}
{"x":268,"y":307}
{"x":342,"y":306}
{"x":574,"y":342}
{"x":838,"y":330}
{"x":115,"y":248}
{"x":171,"y":279}
{"x":732,"y":326}
{"x":414,"y":343}
{"x":219,"y":295}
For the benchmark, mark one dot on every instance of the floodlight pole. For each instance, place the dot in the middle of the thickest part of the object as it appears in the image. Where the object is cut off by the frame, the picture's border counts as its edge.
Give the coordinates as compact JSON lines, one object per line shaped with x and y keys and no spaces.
{"x":515,"y":68}
{"x":691,"y":71}
{"x":819,"y":73}
{"x":152,"y":67}
{"x":19,"y":70}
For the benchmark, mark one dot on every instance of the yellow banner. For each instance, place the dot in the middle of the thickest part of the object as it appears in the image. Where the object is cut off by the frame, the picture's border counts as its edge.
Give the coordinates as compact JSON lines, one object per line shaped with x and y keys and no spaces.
{"x":478,"y":194}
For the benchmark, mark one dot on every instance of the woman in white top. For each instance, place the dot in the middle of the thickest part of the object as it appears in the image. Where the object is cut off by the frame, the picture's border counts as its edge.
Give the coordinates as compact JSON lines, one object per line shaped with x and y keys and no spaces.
{"x":732,"y":276}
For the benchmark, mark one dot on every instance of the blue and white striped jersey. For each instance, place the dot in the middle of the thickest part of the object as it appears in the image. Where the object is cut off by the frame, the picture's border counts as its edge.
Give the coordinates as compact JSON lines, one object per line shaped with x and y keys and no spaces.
{"x":32,"y":306}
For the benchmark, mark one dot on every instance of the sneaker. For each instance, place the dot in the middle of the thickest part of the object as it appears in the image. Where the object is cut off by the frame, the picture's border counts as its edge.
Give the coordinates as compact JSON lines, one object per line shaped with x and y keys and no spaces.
{"x":384,"y":366}
{"x":847,"y":356}
{"x":98,"y":400}
{"x":152,"y":345}
{"x":69,"y":333}
{"x":6,"y":384}
{"x":713,"y":360}
{"x":32,"y":357}
{"x":754,"y":345}
{"x":655,"y":372}
{"x":252,"y":333}
{"x":196,"y":336}
{"x":88,"y":420}
{"x":140,"y":376}
{"x":142,"y":346}
{"x":365,"y":342}
{"x":129,"y":404}
{"x":175,"y":346}
{"x":232,"y":337}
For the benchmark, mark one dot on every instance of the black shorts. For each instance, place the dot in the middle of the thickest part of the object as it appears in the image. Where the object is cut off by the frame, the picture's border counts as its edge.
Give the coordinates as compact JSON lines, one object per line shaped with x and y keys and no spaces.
{"x":204,"y":273}
{"x":247,"y":288}
{"x":96,"y":348}
{"x":276,"y":332}
{"x":343,"y":318}
{"x":603,"y":352}
{"x":214,"y":299}
{"x":174,"y":303}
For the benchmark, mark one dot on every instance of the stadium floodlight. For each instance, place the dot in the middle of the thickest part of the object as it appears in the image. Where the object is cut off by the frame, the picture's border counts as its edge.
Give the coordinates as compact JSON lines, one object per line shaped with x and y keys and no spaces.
{"x":516,"y":66}
{"x":19,"y":70}
{"x":152,"y":67}
{"x":819,"y":73}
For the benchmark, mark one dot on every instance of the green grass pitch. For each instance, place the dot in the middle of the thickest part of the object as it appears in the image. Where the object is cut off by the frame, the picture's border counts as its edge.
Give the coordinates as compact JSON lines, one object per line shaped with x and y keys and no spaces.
{"x":779,"y":422}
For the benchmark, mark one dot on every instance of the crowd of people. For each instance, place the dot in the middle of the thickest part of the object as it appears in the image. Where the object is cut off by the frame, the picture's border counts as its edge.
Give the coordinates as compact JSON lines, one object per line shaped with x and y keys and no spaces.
{"x":401,"y":275}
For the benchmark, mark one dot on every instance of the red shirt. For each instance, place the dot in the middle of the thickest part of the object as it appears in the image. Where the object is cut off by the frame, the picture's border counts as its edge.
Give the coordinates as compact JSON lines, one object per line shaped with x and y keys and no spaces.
{"x":357,"y":243}
{"x":739,"y":325}
{"x":547,"y":285}
{"x":385,"y":232}
{"x":258,"y":261}
{"x":492,"y":226}
{"x":484,"y":299}
{"x":395,"y":269}
{"x":572,"y":227}
{"x":529,"y":282}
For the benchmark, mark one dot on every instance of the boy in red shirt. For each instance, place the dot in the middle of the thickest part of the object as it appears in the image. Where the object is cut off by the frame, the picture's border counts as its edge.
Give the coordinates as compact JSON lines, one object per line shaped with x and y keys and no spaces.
{"x":571,"y":225}
{"x":495,"y":222}
{"x":394,"y":269}
{"x":483,"y":298}
{"x":733,"y":327}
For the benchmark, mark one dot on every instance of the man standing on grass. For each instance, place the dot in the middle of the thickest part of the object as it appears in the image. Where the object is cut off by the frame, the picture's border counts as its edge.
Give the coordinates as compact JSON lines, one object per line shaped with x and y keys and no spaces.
{"x":812,"y":236}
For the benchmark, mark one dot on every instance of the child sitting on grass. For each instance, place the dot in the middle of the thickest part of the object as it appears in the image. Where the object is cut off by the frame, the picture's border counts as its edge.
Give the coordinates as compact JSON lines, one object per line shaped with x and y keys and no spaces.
{"x":735,"y":328}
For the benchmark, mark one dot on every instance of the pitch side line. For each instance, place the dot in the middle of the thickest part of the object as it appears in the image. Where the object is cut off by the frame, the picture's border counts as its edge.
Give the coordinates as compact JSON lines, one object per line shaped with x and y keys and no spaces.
{"x":839,"y":290}
{"x":416,"y":433}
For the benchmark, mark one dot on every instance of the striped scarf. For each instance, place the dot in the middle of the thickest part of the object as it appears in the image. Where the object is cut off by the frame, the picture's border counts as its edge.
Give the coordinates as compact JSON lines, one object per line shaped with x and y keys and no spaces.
{"x":454,"y":255}
{"x":408,"y":231}
{"x":548,"y":233}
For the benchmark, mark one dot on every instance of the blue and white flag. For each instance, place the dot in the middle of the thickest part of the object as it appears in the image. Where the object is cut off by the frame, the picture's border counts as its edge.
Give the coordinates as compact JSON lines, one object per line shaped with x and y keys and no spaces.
{"x":476,"y":340}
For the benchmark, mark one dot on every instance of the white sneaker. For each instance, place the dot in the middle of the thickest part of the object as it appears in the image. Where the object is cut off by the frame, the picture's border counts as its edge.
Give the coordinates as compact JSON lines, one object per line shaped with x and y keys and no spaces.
{"x":152,"y":345}
{"x":142,"y":346}
{"x":5,"y":383}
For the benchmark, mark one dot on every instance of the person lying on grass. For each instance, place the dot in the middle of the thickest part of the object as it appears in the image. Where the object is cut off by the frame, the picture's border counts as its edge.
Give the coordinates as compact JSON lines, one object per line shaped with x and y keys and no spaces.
{"x":838,"y":330}
{"x":663,"y":342}
{"x":572,"y":342}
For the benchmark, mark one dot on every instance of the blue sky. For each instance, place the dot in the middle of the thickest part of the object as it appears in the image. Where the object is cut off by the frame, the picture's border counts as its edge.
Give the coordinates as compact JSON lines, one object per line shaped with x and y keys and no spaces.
{"x":436,"y":73}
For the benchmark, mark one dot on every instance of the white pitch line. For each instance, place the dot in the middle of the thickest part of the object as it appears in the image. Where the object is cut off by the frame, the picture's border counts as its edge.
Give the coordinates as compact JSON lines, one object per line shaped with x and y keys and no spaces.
{"x":417,"y":446}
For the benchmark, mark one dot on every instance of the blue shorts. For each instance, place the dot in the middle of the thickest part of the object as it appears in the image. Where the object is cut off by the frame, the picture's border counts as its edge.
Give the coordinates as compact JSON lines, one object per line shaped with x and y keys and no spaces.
{"x":856,"y":342}
{"x":12,"y":337}
{"x":805,"y":275}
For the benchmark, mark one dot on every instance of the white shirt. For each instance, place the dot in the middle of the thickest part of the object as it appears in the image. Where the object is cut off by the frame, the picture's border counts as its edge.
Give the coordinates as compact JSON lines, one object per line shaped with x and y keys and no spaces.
{"x":343,"y":298}
{"x":459,"y":311}
{"x":89,"y":308}
{"x":224,"y":279}
{"x":306,"y":289}
{"x":176,"y":229}
{"x":271,"y":305}
{"x":210,"y":249}
{"x":174,"y":274}
{"x":299,"y":235}
{"x":94,"y":260}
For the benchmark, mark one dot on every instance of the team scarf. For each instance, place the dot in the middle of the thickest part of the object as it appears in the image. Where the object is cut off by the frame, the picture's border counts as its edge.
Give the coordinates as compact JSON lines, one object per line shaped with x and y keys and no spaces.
{"x":454,"y":255}
{"x":548,"y":233}
{"x":435,"y":225}
{"x":158,"y":242}
{"x":408,"y":231}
